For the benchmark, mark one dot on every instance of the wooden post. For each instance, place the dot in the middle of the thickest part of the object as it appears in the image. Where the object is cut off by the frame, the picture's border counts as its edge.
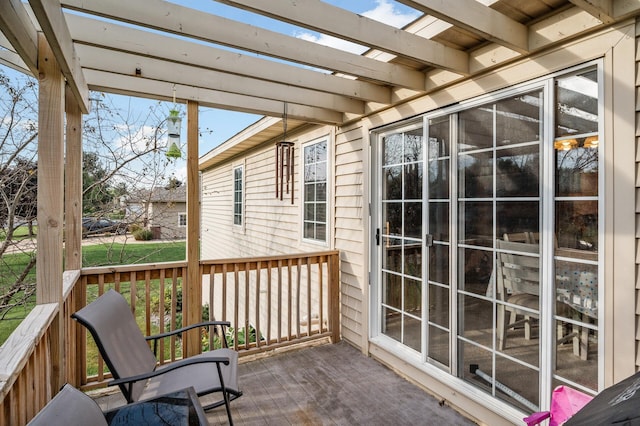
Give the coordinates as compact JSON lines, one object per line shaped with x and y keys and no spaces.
{"x":73,"y":233}
{"x":192,"y":287}
{"x":334,"y":296}
{"x":50,"y":197}
{"x":73,"y":184}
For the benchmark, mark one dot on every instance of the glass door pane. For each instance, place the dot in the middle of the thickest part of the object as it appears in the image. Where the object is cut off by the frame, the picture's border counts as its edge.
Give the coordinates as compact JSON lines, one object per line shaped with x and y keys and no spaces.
{"x":438,"y":208}
{"x":498,"y":251}
{"x":576,"y":230}
{"x":402,"y":231}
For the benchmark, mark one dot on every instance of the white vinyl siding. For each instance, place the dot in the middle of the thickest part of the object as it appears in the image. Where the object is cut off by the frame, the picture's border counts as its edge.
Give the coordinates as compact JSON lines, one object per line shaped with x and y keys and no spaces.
{"x":349,"y":228}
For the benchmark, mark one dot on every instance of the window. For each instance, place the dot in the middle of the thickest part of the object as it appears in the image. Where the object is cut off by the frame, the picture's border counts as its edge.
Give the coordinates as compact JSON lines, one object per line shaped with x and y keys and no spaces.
{"x":237,"y":195}
{"x":182,"y":219}
{"x":315,"y":191}
{"x":489,"y":251}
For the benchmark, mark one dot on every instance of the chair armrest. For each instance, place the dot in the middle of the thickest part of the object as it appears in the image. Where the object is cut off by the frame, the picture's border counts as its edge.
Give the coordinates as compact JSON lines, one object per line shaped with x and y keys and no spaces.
{"x":173,"y":366}
{"x":188,"y":327}
{"x":158,"y":336}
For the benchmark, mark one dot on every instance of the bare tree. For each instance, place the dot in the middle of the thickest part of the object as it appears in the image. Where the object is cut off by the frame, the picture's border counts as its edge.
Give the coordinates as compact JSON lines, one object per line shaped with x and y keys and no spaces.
{"x":123,"y":154}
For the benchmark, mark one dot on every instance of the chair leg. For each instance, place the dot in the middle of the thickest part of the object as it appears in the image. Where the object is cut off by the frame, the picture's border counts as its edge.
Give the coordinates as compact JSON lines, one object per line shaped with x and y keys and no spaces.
{"x":225,"y":394}
{"x":527,"y":327}
{"x":502,"y":327}
{"x":580,"y":339}
{"x":228,"y":407}
{"x":584,"y":343}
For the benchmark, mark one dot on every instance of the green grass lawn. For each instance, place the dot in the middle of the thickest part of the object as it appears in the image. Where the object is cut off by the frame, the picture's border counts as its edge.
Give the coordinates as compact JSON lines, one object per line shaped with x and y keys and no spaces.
{"x":21,"y":232}
{"x":128,"y":254}
{"x":92,"y":255}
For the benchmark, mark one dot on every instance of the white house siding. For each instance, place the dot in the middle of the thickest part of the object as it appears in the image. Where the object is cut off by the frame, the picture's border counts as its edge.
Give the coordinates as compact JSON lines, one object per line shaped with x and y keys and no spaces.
{"x":270,"y":225}
{"x":350,"y":224}
{"x":267,"y":225}
{"x":216,"y":209}
{"x":165,"y":215}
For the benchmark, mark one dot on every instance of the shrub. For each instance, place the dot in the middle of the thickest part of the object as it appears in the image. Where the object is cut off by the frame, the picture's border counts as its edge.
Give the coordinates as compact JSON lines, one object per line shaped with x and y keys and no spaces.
{"x":134,"y":227}
{"x":143,"y":235}
{"x":241,"y":336}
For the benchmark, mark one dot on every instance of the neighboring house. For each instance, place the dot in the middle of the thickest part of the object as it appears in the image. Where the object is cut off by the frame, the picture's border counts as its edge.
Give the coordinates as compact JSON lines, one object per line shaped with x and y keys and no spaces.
{"x":162,"y":210}
{"x":168,"y":212}
{"x":418,"y":199}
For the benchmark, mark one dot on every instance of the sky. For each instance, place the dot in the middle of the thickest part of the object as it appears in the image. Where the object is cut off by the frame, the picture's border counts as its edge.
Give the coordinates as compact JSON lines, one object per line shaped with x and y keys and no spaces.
{"x":217,"y":125}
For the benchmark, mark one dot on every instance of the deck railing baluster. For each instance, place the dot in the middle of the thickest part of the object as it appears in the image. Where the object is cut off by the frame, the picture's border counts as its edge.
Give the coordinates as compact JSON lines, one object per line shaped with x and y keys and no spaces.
{"x":258,"y":326}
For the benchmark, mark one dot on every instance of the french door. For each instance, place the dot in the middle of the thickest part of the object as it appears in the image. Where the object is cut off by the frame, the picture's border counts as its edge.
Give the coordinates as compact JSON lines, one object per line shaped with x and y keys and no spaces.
{"x":487,"y":234}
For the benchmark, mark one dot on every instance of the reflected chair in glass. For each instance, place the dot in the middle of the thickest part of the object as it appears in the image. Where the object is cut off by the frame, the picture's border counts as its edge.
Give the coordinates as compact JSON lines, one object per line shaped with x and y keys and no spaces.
{"x":522,"y":237}
{"x":577,"y":290}
{"x":518,"y":284}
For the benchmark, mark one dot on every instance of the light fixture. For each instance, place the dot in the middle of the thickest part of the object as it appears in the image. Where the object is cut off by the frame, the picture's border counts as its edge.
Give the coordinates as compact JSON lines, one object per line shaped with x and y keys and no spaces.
{"x":565,"y":144}
{"x":284,"y":162}
{"x":174,"y":125}
{"x":591,"y":142}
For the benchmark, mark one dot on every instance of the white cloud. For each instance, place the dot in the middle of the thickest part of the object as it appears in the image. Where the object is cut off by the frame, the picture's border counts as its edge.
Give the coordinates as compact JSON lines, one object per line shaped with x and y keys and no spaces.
{"x":327,"y":40}
{"x":385,"y":12}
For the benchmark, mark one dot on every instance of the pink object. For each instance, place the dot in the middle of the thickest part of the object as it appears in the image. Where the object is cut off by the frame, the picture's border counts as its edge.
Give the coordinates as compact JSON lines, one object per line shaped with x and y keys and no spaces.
{"x":565,"y":402}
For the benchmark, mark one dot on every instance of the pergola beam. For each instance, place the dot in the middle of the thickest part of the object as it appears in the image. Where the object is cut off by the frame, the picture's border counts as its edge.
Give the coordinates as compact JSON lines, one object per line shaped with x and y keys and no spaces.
{"x":18,"y":29}
{"x":601,"y":9}
{"x":161,"y":90}
{"x":625,"y":9}
{"x":328,"y":19}
{"x":609,"y":11}
{"x":116,"y":37}
{"x":477,"y":18}
{"x":172,"y":18}
{"x":171,"y":72}
{"x":13,"y":60}
{"x":51,"y":20}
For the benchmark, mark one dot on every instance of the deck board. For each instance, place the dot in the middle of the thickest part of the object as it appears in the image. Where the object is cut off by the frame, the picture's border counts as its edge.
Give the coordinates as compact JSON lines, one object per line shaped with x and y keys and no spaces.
{"x":325,"y":385}
{"x":330,"y":385}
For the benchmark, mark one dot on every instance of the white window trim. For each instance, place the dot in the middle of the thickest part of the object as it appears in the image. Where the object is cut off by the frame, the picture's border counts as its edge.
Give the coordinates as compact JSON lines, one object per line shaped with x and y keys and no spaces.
{"x":180,"y":215}
{"x":241,"y":225}
{"x":329,"y":184}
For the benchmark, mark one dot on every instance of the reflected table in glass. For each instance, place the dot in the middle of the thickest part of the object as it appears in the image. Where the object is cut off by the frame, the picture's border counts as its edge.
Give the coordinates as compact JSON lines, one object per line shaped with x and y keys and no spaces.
{"x":178,"y":408}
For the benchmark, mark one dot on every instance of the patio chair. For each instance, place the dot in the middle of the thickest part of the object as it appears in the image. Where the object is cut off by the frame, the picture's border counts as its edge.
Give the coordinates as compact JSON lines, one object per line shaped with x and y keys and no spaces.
{"x":70,"y":407}
{"x":518,"y":284}
{"x":134,"y":366}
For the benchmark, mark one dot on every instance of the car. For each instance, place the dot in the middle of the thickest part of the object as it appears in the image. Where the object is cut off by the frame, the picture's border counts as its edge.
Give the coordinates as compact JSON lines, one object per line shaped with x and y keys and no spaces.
{"x":93,"y":226}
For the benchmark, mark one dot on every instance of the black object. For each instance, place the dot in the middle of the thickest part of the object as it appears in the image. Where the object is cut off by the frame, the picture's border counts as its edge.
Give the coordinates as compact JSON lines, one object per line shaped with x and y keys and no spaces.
{"x":178,"y":408}
{"x":616,"y":405}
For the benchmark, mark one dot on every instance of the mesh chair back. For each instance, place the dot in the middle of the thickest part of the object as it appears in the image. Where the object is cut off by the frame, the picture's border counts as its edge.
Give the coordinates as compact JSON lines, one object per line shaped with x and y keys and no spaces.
{"x":119,"y":339}
{"x":70,"y":407}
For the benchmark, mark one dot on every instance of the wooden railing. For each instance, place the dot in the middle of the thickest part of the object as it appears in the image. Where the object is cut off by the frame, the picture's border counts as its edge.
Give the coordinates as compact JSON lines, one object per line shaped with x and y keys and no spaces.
{"x":279,"y":300}
{"x":26,"y":366}
{"x":26,"y":362}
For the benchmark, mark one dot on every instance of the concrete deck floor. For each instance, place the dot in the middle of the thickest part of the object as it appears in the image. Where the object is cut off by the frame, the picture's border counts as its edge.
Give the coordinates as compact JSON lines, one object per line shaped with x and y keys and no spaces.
{"x":325,"y":385}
